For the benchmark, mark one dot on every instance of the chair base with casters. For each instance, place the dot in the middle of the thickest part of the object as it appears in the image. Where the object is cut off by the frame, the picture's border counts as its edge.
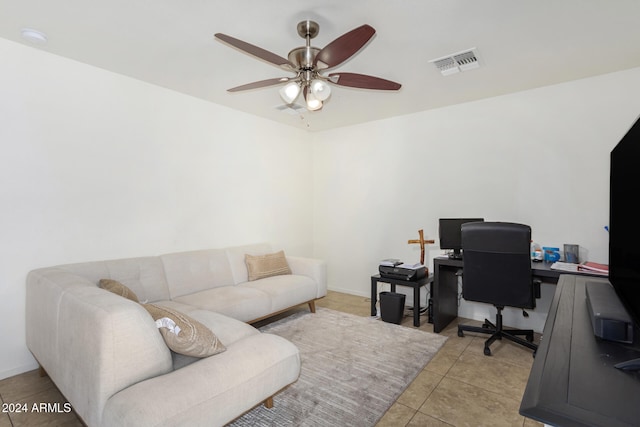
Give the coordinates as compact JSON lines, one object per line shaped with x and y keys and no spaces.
{"x":497,"y":332}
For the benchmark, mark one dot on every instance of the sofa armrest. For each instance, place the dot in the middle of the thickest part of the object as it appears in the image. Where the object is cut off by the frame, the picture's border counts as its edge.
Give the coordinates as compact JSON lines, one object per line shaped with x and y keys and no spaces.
{"x":91,"y":342}
{"x":310,"y":267}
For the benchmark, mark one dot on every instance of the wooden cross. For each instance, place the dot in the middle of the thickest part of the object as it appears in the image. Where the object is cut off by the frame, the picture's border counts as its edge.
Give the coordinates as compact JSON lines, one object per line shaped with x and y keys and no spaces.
{"x":422,"y":242}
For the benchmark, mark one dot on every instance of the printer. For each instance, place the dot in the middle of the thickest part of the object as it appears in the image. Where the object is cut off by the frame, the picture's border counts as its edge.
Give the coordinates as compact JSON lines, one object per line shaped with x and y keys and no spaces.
{"x":395,"y":269}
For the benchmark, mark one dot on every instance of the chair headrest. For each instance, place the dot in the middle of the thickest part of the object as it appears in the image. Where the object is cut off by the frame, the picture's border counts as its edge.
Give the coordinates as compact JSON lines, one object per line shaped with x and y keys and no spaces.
{"x":502,"y":237}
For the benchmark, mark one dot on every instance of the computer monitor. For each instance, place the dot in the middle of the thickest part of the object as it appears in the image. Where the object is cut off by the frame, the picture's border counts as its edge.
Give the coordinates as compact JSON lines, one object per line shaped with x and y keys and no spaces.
{"x":450,"y":231}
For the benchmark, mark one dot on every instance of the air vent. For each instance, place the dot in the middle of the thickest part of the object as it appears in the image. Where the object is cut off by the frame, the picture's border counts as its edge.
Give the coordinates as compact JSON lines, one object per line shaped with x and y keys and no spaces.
{"x":457,"y":62}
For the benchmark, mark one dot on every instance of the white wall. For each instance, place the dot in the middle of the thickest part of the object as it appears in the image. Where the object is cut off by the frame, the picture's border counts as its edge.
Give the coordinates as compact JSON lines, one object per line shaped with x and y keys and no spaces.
{"x":95,"y":165}
{"x":539,"y":157}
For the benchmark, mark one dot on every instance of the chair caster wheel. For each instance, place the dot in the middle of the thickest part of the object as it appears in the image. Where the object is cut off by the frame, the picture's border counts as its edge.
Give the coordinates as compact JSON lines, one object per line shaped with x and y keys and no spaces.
{"x":487,"y":351}
{"x":460,"y":333}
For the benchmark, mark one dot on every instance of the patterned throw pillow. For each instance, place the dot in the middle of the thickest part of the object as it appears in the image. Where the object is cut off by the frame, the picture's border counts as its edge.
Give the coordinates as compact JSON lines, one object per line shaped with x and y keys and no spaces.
{"x":261,"y":266}
{"x":118,"y":289}
{"x":190,"y":338}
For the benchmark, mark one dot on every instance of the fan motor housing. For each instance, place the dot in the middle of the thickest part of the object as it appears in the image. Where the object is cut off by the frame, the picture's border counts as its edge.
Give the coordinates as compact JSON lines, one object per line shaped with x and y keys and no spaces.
{"x":302,"y":57}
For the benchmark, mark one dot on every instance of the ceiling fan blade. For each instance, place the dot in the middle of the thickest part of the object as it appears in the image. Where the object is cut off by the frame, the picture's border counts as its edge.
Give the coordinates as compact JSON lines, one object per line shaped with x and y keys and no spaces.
{"x":363,"y":81}
{"x":342,"y":48}
{"x":261,"y":83}
{"x":258,"y":52}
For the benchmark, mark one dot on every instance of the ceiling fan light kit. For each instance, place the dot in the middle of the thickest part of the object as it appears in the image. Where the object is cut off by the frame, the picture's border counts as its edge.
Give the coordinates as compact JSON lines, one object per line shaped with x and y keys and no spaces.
{"x":307,"y":62}
{"x":313,"y":103}
{"x":289,"y":92}
{"x":320,"y":89}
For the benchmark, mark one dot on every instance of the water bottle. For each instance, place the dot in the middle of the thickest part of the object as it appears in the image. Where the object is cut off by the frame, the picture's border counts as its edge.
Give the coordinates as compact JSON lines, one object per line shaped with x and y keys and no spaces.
{"x":536,"y":252}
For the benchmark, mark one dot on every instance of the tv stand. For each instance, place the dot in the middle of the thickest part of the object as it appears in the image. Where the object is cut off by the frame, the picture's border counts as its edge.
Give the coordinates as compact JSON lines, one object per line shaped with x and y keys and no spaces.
{"x":574,"y":380}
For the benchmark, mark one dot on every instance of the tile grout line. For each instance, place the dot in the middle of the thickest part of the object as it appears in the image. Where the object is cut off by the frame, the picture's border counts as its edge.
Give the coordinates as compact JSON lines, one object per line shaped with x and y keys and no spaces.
{"x":442,"y":377}
{"x":8,"y":414}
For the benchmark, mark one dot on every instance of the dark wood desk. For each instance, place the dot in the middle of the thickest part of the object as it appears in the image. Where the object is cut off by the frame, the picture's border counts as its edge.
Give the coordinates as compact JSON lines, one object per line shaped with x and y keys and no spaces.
{"x":444,"y":290}
{"x":573,"y":381}
{"x":416,"y":285}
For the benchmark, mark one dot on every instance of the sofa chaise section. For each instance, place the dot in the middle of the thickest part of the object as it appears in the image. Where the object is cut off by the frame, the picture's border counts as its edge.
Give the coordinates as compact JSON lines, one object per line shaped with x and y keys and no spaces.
{"x":250,"y":371}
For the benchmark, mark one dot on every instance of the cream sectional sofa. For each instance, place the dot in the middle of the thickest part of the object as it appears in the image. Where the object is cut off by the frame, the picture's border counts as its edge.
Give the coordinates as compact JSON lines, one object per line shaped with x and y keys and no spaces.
{"x":105,"y":354}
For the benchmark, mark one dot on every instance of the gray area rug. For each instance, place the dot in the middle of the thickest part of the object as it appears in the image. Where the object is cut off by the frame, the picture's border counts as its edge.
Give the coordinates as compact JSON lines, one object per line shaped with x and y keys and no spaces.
{"x":353,"y":369}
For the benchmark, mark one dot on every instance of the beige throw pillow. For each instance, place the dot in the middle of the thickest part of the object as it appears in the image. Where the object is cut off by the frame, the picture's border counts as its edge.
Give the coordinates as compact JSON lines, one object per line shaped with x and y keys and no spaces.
{"x":118,"y":289}
{"x":193,"y":339}
{"x":261,"y":266}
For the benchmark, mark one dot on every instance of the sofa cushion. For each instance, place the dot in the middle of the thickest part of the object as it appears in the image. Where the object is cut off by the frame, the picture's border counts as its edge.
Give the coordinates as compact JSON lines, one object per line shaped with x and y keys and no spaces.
{"x":285,"y":291}
{"x":261,"y":266}
{"x":194,"y":271}
{"x":193,"y":338}
{"x":241,"y":303}
{"x":118,"y":289}
{"x":236,"y":256}
{"x":143,"y":275}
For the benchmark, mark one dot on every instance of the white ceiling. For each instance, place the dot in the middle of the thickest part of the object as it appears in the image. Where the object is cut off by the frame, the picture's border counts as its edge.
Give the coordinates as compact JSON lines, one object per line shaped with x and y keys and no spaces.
{"x":521,"y":45}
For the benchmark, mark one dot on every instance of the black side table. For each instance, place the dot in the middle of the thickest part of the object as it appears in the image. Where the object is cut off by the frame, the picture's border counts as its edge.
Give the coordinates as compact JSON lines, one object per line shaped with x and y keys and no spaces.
{"x":415,"y":284}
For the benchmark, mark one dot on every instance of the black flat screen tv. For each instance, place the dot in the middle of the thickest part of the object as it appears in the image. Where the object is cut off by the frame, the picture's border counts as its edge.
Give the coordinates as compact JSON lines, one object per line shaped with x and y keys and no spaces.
{"x":624,"y":222}
{"x":450,"y":232}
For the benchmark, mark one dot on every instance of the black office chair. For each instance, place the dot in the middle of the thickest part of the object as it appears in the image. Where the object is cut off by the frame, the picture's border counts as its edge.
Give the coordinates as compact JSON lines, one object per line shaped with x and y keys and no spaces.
{"x":497,"y":270}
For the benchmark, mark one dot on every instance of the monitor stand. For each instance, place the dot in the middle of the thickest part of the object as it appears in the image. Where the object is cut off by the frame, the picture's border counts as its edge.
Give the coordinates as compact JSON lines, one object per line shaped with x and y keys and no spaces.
{"x":610,"y":320}
{"x":608,"y":316}
{"x":455,"y":254}
{"x":629,"y":365}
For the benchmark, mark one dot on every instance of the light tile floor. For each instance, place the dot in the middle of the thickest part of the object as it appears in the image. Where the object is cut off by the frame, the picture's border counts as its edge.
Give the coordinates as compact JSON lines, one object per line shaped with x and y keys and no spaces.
{"x":459,"y":387}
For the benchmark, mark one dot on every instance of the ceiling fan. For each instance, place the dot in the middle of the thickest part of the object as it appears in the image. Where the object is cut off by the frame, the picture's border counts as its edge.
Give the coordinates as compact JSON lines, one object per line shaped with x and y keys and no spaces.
{"x":308,"y":62}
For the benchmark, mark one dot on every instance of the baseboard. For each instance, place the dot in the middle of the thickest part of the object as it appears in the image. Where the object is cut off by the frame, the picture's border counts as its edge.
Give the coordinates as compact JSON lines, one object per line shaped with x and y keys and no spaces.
{"x":18,"y":370}
{"x":349,"y":291}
